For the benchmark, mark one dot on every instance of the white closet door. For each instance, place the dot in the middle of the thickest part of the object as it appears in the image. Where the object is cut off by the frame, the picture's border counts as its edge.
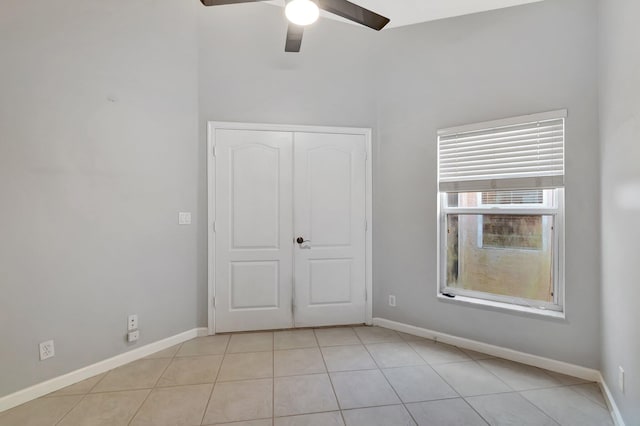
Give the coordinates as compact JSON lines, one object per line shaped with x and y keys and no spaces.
{"x":329,"y":214}
{"x":253,"y":270}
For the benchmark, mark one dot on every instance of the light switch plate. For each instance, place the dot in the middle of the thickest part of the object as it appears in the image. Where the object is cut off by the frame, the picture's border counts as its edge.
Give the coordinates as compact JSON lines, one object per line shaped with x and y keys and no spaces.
{"x":184,"y":218}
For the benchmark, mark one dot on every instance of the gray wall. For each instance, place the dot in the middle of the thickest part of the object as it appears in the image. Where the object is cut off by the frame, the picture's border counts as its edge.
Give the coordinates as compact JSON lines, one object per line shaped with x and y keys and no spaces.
{"x":514,"y":61}
{"x":620,"y":159}
{"x":98,"y":147}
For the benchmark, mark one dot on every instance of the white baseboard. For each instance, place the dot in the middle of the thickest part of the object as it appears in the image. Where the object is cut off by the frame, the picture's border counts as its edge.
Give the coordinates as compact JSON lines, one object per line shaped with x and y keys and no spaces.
{"x":613,"y":407}
{"x":497,"y":351}
{"x":52,"y":385}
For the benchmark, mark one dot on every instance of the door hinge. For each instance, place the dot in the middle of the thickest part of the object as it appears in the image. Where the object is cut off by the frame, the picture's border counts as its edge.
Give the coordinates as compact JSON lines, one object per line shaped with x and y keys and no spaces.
{"x":214,"y":151}
{"x":365,"y":156}
{"x":366,"y":295}
{"x":366,"y":225}
{"x":213,"y":226}
{"x":213,"y":301}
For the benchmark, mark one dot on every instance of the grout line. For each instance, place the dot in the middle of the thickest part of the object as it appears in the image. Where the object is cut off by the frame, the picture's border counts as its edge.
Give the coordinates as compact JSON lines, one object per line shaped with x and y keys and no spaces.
{"x":335,"y":395}
{"x":387,"y":379}
{"x":84,"y":395}
{"x":70,"y":409}
{"x":150,"y":391}
{"x":475,"y":411}
{"x":215,"y":380}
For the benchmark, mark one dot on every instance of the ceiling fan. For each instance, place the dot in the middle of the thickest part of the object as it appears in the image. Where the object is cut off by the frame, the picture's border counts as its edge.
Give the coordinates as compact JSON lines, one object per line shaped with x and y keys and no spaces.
{"x":301,"y":13}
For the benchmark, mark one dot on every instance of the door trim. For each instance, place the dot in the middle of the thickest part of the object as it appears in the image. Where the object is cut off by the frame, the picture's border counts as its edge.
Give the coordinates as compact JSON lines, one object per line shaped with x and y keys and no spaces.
{"x":212,"y":126}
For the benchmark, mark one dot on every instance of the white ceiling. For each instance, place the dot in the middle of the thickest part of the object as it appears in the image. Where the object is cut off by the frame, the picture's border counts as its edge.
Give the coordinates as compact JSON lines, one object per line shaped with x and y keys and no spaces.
{"x":407,"y":12}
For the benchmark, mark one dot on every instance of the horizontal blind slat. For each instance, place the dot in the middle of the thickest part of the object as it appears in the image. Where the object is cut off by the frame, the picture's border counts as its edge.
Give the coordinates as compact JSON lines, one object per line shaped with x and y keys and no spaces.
{"x":499,"y":152}
{"x":529,"y":140}
{"x":507,"y":160}
{"x":499,"y":137}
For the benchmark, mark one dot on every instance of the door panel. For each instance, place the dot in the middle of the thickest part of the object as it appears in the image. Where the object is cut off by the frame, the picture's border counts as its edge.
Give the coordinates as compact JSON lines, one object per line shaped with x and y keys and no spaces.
{"x":330,"y":212}
{"x":253,"y":270}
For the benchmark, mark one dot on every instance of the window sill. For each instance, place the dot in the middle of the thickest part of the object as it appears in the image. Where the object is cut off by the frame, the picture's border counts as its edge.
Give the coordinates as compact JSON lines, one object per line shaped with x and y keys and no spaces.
{"x":503,"y":306}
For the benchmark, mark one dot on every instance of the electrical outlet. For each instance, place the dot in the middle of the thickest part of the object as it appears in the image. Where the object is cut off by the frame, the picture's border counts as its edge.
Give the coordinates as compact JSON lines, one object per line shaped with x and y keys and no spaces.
{"x":392,"y":300}
{"x":132,"y":324}
{"x":47,"y":350}
{"x":621,"y":379}
{"x":132,"y":336}
{"x":184,"y":218}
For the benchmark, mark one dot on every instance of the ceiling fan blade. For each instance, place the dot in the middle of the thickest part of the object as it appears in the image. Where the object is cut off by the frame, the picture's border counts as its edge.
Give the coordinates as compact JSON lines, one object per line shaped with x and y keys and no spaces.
{"x":223,"y":2}
{"x":294,"y":38}
{"x":355,"y":13}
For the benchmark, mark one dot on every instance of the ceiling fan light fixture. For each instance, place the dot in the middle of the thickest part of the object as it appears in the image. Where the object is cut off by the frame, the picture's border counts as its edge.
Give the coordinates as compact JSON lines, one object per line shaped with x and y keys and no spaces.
{"x":302,"y":12}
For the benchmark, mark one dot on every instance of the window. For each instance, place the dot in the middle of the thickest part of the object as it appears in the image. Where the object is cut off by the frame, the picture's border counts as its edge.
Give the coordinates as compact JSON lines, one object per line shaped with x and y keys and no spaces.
{"x":501,"y":212}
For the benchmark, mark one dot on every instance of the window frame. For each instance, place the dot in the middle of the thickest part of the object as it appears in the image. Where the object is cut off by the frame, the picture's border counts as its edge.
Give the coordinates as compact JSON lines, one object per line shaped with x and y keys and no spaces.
{"x":526,"y":181}
{"x":497,"y":300}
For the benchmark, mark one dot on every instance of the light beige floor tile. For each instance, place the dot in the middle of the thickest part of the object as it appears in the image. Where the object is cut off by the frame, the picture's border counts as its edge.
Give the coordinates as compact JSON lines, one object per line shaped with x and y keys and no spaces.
{"x":79,"y":388}
{"x":568,"y":407}
{"x":332,"y":418}
{"x":242,"y":366}
{"x":262,"y":422}
{"x":395,"y":415}
{"x":389,"y":355}
{"x":106,"y":409}
{"x":210,"y":345}
{"x":438,"y":353}
{"x":303,"y":395}
{"x":296,"y":362}
{"x":470,"y":379}
{"x":449,"y":412}
{"x":250,"y":342}
{"x":518,"y":376}
{"x":337,"y":336}
{"x":591,"y":391}
{"x":563,"y":379}
{"x":142,"y":374}
{"x":509,"y":409}
{"x":367,"y":388}
{"x":40,"y":412}
{"x":177,"y":406}
{"x":419,"y":383}
{"x":410,"y":337}
{"x":294,"y":339}
{"x":166,"y":353}
{"x":345,"y":358}
{"x":191,"y":370}
{"x":377,"y":335}
{"x":476,"y":355}
{"x":240,"y":401}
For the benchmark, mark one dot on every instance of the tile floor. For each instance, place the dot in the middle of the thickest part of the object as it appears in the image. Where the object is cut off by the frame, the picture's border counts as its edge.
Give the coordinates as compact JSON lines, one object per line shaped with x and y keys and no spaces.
{"x":325,"y":377}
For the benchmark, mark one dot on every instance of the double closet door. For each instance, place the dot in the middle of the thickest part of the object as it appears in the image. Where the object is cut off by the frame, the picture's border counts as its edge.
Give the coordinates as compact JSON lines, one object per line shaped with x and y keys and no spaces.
{"x":290,"y":229}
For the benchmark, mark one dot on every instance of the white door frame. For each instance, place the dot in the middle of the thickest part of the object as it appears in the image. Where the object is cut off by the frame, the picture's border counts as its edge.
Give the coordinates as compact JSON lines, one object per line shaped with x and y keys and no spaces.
{"x":212,"y":126}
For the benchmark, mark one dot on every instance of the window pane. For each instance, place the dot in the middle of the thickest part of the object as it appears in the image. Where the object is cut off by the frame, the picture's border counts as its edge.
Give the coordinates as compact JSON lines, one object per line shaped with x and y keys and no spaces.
{"x":514,"y":258}
{"x":511,"y":231}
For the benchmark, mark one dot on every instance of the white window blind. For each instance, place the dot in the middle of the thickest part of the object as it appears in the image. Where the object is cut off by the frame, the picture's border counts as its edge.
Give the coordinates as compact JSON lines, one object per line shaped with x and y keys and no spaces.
{"x":515,"y":153}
